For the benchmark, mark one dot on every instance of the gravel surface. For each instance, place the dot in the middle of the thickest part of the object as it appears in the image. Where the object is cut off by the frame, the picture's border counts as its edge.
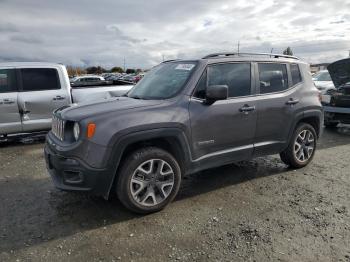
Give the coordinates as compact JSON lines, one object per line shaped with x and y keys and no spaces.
{"x":252,"y":211}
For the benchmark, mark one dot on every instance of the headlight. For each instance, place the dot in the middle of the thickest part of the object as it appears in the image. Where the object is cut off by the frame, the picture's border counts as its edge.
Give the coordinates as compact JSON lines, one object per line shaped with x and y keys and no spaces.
{"x":76,"y":131}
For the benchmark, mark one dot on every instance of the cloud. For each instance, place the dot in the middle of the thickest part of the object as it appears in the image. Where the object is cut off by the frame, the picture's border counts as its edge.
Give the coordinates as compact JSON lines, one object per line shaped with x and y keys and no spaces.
{"x":8,"y":27}
{"x":86,"y":32}
{"x":27,"y":39}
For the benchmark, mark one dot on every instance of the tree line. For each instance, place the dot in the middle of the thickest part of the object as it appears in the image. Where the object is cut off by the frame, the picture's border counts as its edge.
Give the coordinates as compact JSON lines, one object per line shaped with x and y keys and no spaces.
{"x":76,"y":70}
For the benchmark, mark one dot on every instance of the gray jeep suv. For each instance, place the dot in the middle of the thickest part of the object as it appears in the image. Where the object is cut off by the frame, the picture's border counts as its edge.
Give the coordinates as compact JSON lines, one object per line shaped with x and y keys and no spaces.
{"x":183,"y":117}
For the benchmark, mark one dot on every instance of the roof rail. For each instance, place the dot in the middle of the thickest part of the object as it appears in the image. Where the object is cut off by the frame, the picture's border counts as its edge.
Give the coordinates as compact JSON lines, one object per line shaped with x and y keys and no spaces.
{"x":247,"y":54}
{"x":171,"y":60}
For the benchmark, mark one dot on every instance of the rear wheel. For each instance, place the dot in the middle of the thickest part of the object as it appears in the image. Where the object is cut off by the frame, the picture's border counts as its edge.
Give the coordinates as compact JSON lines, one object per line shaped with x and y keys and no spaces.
{"x":148,"y":180}
{"x":301,"y":148}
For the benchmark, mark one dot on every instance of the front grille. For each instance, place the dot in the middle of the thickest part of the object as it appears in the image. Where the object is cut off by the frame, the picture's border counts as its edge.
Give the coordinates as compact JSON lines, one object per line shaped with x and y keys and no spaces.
{"x":58,"y":127}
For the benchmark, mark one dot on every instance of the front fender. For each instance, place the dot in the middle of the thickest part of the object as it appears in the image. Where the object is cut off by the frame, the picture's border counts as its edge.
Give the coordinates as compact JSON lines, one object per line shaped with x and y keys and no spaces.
{"x":117,"y":150}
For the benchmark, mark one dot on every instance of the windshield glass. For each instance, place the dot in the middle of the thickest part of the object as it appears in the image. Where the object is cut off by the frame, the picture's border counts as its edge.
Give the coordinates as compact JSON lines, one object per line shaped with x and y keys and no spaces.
{"x":322,"y":76}
{"x":163,"y":81}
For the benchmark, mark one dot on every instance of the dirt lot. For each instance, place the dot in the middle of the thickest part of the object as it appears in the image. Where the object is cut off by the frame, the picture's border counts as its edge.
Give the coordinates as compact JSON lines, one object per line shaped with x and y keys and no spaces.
{"x":257,"y":210}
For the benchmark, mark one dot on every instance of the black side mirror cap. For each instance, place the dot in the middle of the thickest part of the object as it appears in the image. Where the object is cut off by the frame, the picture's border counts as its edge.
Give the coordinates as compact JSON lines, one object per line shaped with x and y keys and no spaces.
{"x":215,"y":93}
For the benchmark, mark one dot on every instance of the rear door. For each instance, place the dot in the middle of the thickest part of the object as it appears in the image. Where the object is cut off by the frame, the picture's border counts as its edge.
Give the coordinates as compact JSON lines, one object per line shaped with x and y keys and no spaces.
{"x":10,"y":121}
{"x":278,"y":103}
{"x":40,"y":94}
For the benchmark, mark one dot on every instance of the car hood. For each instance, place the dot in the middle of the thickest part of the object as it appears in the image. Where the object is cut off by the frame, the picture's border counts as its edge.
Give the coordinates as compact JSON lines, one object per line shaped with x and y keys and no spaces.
{"x":340,"y":72}
{"x":80,"y":111}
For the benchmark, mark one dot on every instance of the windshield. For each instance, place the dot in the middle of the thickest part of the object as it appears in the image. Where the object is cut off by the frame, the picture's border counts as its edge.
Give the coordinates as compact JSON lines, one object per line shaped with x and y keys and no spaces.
{"x":163,"y":81}
{"x":322,"y":76}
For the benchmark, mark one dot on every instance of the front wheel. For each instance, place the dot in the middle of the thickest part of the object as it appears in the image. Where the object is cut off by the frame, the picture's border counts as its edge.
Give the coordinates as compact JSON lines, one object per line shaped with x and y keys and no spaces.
{"x":301,"y":148}
{"x":149,"y":179}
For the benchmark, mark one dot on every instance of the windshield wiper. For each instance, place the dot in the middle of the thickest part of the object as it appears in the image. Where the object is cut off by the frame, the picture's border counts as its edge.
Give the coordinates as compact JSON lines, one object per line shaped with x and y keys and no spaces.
{"x":136,"y":97}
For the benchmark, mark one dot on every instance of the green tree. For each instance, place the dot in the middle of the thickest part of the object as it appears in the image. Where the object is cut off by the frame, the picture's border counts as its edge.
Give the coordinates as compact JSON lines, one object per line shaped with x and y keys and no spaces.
{"x":117,"y":69}
{"x":288,"y":51}
{"x":95,"y":70}
{"x":130,"y":71}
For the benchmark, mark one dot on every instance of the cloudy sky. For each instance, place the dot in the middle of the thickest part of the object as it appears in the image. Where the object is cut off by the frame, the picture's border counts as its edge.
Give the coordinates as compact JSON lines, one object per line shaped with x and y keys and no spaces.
{"x":103,"y":32}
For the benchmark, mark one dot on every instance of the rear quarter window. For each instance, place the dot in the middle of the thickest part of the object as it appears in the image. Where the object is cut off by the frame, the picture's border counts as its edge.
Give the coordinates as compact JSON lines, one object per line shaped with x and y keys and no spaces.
{"x":296,"y":75}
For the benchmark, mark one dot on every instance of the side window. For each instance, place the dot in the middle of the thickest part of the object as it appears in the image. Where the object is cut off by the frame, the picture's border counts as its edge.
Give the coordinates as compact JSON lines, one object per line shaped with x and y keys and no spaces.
{"x":7,"y":81}
{"x":39,"y":79}
{"x":237,"y":76}
{"x":201,"y":87}
{"x":273,"y":78}
{"x":295,"y":72}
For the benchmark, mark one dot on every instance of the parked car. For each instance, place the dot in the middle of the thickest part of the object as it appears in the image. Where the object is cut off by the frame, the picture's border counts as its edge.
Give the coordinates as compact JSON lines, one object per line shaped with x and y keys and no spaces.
{"x":88,"y":80}
{"x":337,"y":101}
{"x":30,"y":92}
{"x":183,"y":117}
{"x":323,"y":81}
{"x":118,"y":80}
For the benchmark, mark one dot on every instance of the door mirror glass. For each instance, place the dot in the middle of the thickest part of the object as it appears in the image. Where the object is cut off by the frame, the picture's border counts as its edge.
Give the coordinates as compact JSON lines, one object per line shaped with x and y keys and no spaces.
{"x":216,"y":92}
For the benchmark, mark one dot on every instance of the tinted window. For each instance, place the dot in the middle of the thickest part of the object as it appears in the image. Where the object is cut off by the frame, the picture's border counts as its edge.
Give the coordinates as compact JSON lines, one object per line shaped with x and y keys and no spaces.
{"x":236,"y":76}
{"x":38,"y":79}
{"x":295,"y":72}
{"x":273,"y":78}
{"x":7,"y":80}
{"x":201,"y":86}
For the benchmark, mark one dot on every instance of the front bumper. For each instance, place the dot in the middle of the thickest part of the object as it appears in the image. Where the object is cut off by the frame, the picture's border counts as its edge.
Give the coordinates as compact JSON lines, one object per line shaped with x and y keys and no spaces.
{"x":73,"y":174}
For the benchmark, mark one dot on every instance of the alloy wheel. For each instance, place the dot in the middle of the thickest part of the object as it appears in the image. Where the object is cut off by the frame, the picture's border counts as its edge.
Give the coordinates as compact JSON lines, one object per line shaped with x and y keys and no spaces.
{"x":304,"y":145}
{"x":152,"y":182}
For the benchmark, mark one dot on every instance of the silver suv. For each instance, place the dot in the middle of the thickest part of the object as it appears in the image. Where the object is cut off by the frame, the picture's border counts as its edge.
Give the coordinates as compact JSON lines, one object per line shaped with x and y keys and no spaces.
{"x":183,"y":117}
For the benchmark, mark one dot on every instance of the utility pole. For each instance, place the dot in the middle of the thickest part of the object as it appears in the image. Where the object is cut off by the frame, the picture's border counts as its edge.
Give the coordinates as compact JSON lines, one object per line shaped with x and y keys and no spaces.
{"x":271,"y":51}
{"x":124,"y":65}
{"x":238,"y":47}
{"x":163,"y":57}
{"x":349,"y":53}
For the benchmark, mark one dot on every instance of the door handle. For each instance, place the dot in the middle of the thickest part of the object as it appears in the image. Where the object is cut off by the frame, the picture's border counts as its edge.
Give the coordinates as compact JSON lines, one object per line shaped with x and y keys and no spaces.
{"x":7,"y":101}
{"x":58,"y":98}
{"x":24,"y":111}
{"x":292,"y":101}
{"x":246,"y":109}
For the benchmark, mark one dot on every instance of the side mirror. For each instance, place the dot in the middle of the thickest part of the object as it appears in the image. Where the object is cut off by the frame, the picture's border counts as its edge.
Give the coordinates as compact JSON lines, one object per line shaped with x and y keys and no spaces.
{"x":215,"y":93}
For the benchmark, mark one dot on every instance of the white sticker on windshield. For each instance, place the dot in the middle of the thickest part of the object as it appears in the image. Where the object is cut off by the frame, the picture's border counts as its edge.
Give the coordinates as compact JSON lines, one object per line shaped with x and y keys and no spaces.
{"x":187,"y":67}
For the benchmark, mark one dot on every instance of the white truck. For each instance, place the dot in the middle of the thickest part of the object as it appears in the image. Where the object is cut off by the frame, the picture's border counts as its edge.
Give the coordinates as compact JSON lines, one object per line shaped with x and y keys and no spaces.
{"x":30,"y":92}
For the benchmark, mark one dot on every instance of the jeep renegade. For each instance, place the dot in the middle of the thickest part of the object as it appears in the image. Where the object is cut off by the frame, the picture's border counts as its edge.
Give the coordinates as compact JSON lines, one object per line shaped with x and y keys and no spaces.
{"x":183,"y":117}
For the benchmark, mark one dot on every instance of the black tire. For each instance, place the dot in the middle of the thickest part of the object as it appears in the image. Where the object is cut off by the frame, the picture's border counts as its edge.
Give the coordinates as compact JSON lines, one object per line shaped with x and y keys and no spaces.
{"x":129,"y":167}
{"x":288,"y":156}
{"x":330,"y":124}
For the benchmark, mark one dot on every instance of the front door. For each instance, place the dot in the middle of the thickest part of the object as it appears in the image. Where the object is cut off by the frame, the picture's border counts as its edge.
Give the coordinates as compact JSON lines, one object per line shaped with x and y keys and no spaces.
{"x":10,"y":121}
{"x":225,"y":128}
{"x":41,"y":93}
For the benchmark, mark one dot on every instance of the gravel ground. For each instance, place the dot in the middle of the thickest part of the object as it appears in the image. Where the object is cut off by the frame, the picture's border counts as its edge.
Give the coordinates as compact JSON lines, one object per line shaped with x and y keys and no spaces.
{"x":253,"y":211}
